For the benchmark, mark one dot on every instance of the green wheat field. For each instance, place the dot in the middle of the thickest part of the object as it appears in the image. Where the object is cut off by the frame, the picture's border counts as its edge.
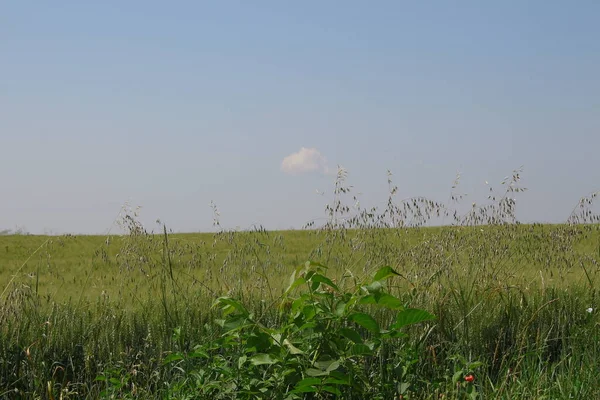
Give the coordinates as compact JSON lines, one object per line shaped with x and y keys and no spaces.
{"x":371,"y":304}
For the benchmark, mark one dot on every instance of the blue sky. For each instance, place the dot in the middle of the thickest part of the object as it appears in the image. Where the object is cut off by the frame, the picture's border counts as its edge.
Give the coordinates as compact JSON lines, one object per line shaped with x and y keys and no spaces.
{"x":172,"y":105}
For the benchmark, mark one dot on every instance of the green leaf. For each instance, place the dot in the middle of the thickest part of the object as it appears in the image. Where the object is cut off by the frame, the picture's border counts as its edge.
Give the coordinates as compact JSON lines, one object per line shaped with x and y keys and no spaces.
{"x":310,"y":264}
{"x":198,"y":353}
{"x":298,"y":304}
{"x":333,"y":366}
{"x":314,"y":285}
{"x":308,"y":382}
{"x":473,"y":393}
{"x":305,"y":389}
{"x":294,"y":284}
{"x":242,"y":361}
{"x":332,"y":389}
{"x":340,"y":307}
{"x":262,"y":359}
{"x":351,"y":334}
{"x":411,"y":316}
{"x":293,"y":349}
{"x":388,"y":301}
{"x":360,"y":349}
{"x":228,"y":305}
{"x":394,"y":333}
{"x":339,"y":376}
{"x":337,"y":381}
{"x":457,"y":376}
{"x":374,"y":287}
{"x":258,"y":342}
{"x":384,"y":300}
{"x":275,"y":335}
{"x":316,"y":372}
{"x":172,"y":357}
{"x":403,"y":387}
{"x":308,"y":325}
{"x":368,"y":299}
{"x":220,"y":322}
{"x":309,"y":312}
{"x":327,"y":365}
{"x":366,"y":321}
{"x":323,"y":279}
{"x":323,"y":368}
{"x":385,"y":273}
{"x":233,"y":324}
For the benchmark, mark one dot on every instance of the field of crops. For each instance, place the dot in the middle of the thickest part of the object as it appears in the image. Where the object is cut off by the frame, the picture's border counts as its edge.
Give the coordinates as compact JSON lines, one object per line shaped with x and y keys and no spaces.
{"x":369,"y":304}
{"x":493,"y":311}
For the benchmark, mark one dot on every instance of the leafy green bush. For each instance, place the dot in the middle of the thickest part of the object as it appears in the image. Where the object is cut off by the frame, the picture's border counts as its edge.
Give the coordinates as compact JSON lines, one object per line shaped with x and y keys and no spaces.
{"x":324,"y":344}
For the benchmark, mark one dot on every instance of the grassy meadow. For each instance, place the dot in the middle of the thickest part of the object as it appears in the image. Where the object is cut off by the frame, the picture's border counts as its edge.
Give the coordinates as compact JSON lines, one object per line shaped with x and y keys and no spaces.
{"x":485,"y":308}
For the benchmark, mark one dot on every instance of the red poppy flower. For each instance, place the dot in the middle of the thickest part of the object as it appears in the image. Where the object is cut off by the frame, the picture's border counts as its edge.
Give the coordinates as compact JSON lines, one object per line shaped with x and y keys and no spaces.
{"x":469,"y":378}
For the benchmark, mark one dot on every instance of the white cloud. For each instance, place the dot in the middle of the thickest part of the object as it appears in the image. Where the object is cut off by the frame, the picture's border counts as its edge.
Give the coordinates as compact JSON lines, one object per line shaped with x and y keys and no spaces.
{"x":305,"y":160}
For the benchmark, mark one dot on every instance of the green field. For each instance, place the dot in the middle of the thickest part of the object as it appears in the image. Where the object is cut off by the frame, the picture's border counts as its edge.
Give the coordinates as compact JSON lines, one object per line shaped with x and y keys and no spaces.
{"x":91,"y":316}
